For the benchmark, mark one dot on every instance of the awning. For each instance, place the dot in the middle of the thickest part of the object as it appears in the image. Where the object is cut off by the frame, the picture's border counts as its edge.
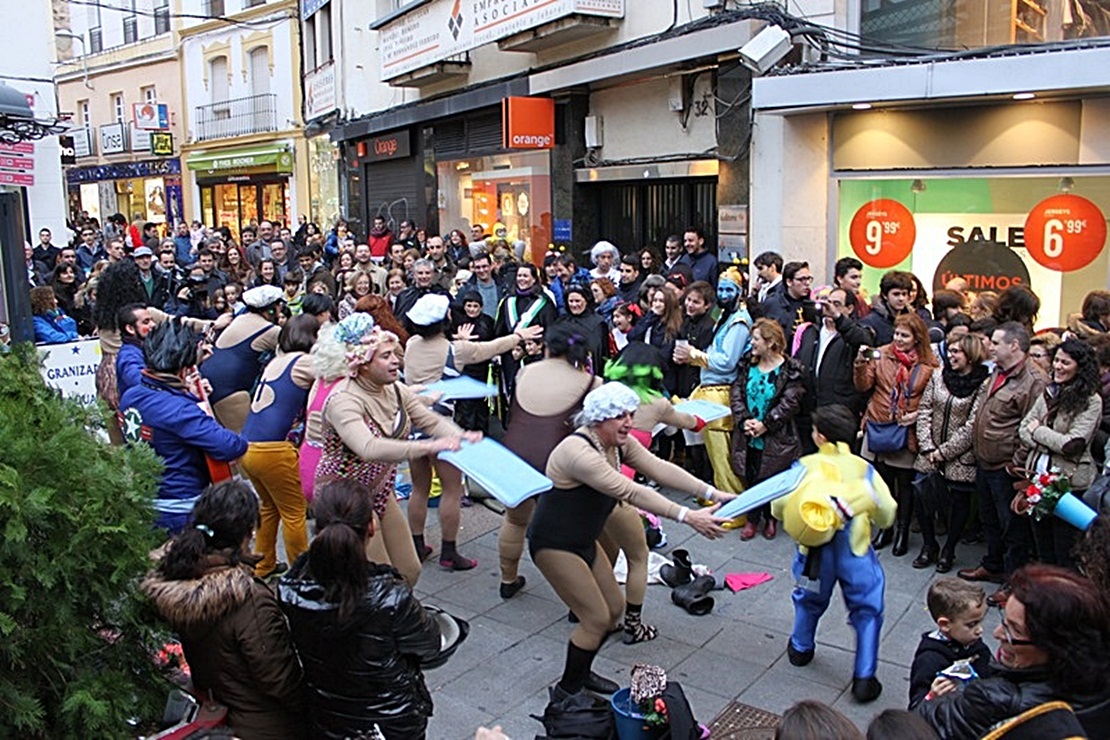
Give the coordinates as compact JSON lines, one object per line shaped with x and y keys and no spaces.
{"x":276,"y":157}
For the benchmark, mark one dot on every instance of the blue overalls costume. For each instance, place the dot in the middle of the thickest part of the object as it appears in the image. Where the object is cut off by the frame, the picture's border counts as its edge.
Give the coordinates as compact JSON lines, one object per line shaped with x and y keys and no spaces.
{"x":830,"y":515}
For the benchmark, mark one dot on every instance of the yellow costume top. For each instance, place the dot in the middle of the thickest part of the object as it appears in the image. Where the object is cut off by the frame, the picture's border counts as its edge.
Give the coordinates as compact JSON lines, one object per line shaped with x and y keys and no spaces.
{"x":838,"y":488}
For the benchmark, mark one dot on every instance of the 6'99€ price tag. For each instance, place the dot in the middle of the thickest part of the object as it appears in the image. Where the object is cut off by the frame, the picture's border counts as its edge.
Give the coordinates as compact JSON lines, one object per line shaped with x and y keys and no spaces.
{"x":1065,"y":232}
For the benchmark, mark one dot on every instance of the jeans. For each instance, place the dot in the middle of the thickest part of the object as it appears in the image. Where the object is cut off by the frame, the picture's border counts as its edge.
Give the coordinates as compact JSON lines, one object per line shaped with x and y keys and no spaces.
{"x":1007,"y":535}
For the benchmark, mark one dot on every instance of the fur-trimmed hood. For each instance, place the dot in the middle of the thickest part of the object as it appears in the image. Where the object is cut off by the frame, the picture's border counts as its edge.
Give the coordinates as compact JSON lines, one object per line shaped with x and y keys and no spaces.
{"x":201,"y":601}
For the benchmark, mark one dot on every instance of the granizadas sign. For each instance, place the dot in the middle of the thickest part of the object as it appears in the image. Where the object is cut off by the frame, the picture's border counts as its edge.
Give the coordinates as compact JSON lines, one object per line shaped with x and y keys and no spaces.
{"x":439,"y":29}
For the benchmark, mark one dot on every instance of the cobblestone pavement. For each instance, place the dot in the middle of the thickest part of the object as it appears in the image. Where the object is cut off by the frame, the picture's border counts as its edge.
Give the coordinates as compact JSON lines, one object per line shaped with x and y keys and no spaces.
{"x":738,"y":652}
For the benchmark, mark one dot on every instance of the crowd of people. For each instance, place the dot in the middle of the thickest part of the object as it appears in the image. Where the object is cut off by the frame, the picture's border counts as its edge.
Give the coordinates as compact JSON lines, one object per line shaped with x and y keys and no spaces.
{"x":313,"y":350}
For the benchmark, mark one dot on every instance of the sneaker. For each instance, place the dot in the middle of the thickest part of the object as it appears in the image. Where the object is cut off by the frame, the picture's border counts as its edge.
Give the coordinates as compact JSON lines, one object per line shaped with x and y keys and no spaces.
{"x":280,"y":568}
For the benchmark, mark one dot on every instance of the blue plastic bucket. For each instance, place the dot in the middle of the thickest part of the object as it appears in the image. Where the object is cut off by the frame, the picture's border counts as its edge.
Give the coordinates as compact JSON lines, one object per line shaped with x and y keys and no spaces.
{"x":1072,"y":510}
{"x":629,"y":721}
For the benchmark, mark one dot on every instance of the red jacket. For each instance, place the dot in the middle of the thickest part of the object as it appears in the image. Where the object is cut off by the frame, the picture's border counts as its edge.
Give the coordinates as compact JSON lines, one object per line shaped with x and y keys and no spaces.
{"x":379,"y":245}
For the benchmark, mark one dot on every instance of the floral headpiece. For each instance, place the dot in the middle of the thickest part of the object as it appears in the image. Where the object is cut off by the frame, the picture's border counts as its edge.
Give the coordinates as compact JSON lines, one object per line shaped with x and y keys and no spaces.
{"x":361,"y":339}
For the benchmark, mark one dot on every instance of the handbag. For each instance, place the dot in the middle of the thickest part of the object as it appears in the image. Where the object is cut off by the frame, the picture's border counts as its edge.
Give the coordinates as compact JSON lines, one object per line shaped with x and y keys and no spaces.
{"x":890,"y":436}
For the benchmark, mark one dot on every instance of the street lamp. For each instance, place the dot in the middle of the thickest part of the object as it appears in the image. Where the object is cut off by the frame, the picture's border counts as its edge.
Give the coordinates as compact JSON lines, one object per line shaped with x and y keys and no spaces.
{"x":84,"y":56}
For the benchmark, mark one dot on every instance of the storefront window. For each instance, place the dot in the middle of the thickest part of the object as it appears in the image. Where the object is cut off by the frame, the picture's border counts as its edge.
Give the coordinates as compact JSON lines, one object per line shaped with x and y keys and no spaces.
{"x":323,"y":184}
{"x":956,"y":24}
{"x":239,"y":204}
{"x":1048,"y":232}
{"x":509,"y":189}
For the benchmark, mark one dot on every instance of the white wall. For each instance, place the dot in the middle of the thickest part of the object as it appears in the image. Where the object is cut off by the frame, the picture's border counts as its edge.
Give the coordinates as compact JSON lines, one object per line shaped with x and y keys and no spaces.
{"x":284,"y":74}
{"x":790,"y":190}
{"x":638,"y":123}
{"x":28,"y":54}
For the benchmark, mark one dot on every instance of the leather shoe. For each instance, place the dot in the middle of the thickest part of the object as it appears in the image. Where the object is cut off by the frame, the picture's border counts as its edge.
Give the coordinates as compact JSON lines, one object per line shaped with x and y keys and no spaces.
{"x":979,"y":573}
{"x":901,"y":542}
{"x":999,"y":597}
{"x":797,"y":657}
{"x":749,"y":531}
{"x":770,"y":529}
{"x":883,"y":538}
{"x":866,"y":689}
{"x":945,"y":561}
{"x":509,"y":590}
{"x":600,"y":684}
{"x":927,"y":557}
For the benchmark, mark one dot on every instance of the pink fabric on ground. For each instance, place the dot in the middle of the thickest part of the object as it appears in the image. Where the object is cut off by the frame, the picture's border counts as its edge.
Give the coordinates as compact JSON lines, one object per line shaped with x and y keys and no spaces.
{"x":740,"y":581}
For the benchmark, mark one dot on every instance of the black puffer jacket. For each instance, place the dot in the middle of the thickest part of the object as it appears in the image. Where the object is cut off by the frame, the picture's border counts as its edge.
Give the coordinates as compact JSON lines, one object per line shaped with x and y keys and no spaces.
{"x":366,"y":671}
{"x":781,"y":445}
{"x":973,"y":710}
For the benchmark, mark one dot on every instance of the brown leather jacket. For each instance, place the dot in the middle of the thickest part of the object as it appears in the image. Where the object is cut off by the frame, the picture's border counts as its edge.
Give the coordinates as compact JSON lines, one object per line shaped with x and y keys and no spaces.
{"x":879,"y":376}
{"x":995,"y":434}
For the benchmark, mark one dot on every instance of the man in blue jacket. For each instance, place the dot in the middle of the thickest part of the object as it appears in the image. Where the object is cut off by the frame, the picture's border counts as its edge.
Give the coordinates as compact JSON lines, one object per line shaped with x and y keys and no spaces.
{"x":162,"y":411}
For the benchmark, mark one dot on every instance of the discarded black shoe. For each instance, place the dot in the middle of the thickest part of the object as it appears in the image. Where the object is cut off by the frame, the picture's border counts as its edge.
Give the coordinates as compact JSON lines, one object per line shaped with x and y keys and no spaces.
{"x":679,"y":574}
{"x":693,"y":597}
{"x":600,"y":684}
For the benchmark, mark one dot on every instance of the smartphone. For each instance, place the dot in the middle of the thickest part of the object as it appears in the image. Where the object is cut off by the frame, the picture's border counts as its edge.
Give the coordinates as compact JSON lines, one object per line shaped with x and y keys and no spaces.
{"x":874,"y":354}
{"x":682,"y":342}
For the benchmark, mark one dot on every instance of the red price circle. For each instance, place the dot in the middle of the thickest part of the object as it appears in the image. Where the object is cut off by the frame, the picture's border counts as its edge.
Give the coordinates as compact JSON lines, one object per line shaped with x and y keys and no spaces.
{"x":882,"y":233}
{"x":1065,"y":232}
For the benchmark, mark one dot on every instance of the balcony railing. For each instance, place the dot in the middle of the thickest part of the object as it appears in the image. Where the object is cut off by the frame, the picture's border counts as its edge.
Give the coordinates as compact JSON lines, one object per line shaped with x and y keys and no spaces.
{"x":254,"y":115}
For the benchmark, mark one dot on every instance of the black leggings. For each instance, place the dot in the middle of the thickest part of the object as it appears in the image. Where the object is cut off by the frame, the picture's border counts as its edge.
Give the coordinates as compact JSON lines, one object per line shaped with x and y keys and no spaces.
{"x":900,"y":483}
{"x":958,"y":495}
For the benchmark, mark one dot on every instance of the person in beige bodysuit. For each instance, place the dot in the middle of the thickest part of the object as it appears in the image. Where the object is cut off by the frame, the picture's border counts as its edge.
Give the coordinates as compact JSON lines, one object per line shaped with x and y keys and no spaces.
{"x":365,"y":426}
{"x":548,"y":396}
{"x":430,"y":357}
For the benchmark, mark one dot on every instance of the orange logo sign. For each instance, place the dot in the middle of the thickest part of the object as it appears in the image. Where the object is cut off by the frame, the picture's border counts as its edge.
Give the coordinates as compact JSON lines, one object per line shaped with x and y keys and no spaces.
{"x":528,"y":123}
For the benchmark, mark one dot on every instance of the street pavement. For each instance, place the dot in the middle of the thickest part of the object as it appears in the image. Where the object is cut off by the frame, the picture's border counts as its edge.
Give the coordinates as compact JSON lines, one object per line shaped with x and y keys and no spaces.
{"x":500,"y":675}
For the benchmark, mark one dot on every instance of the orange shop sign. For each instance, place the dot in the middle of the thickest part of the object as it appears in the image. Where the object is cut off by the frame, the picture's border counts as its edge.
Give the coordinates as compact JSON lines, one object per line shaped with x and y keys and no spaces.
{"x":528,"y":123}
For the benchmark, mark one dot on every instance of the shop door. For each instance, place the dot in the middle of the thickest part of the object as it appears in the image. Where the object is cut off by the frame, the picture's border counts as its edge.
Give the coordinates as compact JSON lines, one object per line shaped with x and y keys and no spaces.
{"x":635,"y":215}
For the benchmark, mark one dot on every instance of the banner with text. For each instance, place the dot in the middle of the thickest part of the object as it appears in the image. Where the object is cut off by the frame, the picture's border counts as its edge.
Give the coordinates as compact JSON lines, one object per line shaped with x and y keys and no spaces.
{"x":71,"y":368}
{"x":440,"y":29}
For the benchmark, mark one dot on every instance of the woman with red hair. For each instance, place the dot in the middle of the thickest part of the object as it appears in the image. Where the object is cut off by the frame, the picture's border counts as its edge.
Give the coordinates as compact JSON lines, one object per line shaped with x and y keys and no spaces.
{"x":1054,"y":645}
{"x":896,"y":374}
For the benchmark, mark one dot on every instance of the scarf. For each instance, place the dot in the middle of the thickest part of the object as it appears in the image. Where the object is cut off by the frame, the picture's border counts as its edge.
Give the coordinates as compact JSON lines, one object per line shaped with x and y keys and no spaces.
{"x":379,"y":232}
{"x":906,"y":361}
{"x":962,"y":386}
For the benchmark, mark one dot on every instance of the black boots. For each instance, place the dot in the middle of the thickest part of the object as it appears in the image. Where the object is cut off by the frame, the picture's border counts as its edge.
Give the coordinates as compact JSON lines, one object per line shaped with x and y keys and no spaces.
{"x":680,"y":573}
{"x":927,"y":557}
{"x":694,"y":598}
{"x":902,"y":527}
{"x":866,"y":689}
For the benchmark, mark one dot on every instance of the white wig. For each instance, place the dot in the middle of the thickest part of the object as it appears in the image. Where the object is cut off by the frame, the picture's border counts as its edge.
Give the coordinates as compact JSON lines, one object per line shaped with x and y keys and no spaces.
{"x":607,"y":402}
{"x":602,"y":247}
{"x":341,"y":348}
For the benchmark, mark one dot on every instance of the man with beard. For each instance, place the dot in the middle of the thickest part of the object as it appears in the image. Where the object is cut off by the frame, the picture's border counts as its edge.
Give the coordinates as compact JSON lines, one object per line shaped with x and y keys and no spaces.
{"x":379,"y":240}
{"x":135,"y":322}
{"x":364,"y":263}
{"x":718,"y":365}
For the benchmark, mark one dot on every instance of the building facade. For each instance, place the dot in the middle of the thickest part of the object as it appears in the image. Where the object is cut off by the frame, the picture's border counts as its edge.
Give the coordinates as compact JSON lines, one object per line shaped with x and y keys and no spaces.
{"x":913,"y":159}
{"x":119,"y":81}
{"x":645,"y":130}
{"x":244,"y":149}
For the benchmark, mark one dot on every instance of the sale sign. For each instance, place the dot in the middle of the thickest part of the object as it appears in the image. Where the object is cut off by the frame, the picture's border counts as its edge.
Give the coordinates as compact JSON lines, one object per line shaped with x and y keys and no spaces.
{"x":1065,"y":232}
{"x":882,"y":233}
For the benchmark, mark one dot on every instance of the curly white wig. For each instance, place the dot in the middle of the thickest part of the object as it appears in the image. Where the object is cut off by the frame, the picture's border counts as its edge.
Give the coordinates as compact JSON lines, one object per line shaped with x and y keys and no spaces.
{"x":601,"y":247}
{"x":607,"y":402}
{"x":341,"y":348}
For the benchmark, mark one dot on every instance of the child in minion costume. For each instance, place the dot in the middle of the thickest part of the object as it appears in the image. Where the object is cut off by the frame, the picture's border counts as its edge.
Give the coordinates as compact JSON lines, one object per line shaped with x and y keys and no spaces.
{"x":830,"y":515}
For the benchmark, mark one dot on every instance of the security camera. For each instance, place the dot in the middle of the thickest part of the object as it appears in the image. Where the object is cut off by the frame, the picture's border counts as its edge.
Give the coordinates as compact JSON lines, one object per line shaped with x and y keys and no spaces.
{"x":765,"y":50}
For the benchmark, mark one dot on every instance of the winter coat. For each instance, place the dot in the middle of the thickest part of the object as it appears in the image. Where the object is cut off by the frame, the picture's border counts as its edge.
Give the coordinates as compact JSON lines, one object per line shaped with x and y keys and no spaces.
{"x":971,"y":711}
{"x":1064,"y":437}
{"x":168,"y":419}
{"x":789,"y":312}
{"x":944,"y":422}
{"x":880,"y":320}
{"x":237,"y":645}
{"x":368,"y":668}
{"x":698,"y":331}
{"x":832,"y":382}
{"x":879,"y":376}
{"x":781,"y":445}
{"x":995,"y":432}
{"x":54,"y":328}
{"x":593,"y":328}
{"x":936,"y":652}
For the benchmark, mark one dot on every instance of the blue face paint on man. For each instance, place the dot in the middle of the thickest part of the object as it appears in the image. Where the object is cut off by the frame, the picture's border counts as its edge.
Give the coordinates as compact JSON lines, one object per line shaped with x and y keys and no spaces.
{"x":727,"y":293}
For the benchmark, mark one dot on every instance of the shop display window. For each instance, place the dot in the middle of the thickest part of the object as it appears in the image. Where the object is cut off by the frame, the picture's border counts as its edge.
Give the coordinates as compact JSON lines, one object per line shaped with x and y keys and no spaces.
{"x":1046,"y":232}
{"x":238,"y":204}
{"x":513,"y":190}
